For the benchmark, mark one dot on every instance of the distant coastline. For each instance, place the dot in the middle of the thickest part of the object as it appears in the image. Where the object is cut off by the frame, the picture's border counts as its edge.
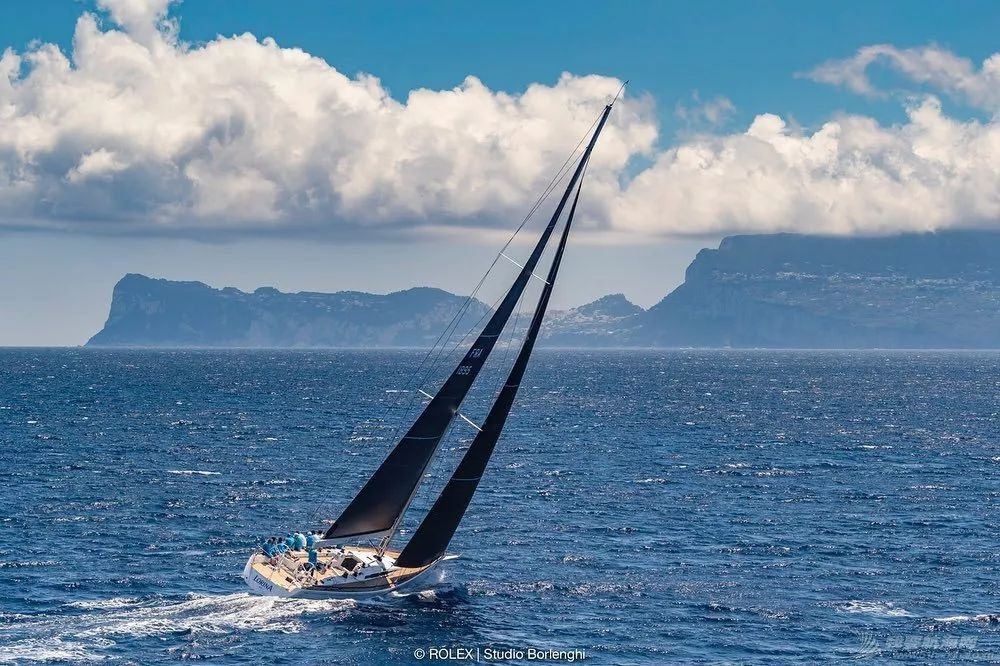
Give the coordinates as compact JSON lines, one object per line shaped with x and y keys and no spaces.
{"x":782,"y":291}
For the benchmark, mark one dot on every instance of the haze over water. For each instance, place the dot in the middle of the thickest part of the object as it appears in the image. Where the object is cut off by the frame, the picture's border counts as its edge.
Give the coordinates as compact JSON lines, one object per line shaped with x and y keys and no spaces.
{"x":645,"y":507}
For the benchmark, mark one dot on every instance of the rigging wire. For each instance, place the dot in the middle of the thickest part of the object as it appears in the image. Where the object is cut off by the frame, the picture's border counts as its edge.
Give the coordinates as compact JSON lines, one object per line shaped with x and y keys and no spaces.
{"x":583,"y":174}
{"x":446,"y":335}
{"x":563,"y":172}
{"x":452,"y":326}
{"x":452,"y":439}
{"x":503,"y":377}
{"x":475,"y":326}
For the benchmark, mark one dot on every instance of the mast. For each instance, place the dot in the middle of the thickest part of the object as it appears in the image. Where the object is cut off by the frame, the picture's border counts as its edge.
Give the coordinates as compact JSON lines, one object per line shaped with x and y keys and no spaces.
{"x":438,"y":527}
{"x":378,"y":507}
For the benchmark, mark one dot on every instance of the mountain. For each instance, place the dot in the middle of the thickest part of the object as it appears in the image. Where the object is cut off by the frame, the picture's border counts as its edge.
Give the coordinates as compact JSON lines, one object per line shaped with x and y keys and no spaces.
{"x":921,"y":291}
{"x":605,"y":322}
{"x":933,"y":290}
{"x":165,"y":313}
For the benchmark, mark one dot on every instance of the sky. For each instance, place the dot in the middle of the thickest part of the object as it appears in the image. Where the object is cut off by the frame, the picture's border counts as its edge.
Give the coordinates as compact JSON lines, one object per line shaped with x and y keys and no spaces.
{"x":376,"y":146}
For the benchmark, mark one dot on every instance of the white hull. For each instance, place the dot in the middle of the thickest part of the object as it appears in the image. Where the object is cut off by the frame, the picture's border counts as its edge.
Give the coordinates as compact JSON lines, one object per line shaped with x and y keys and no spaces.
{"x":284,"y":578}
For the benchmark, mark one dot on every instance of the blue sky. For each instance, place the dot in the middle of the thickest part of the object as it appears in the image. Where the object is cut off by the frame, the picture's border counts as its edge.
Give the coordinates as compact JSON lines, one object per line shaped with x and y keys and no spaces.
{"x":747,"y":51}
{"x":680,"y":56}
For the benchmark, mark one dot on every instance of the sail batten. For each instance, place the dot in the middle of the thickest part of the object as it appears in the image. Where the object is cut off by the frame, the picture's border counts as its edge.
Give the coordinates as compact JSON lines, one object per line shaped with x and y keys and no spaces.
{"x":381,"y":502}
{"x":432,"y":536}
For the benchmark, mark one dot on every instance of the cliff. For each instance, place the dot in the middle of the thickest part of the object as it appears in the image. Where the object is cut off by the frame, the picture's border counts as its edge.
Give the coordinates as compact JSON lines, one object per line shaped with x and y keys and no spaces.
{"x":165,"y":313}
{"x":912,"y":291}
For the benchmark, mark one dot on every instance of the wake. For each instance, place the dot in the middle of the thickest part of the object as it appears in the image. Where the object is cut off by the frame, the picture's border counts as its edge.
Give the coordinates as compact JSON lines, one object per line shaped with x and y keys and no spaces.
{"x":82,"y":636}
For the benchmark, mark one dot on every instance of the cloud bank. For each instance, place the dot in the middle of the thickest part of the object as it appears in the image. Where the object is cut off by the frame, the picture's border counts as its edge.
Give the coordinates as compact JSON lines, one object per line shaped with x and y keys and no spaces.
{"x":849,"y":176}
{"x":136,"y":131}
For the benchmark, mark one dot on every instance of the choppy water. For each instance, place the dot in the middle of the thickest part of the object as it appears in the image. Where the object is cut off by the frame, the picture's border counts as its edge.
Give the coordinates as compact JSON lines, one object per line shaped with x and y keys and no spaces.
{"x":644,"y":507}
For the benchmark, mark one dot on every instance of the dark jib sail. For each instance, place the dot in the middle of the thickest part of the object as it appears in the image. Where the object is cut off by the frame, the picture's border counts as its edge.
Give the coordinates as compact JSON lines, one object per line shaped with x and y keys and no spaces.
{"x":379,"y":505}
{"x":436,"y":530}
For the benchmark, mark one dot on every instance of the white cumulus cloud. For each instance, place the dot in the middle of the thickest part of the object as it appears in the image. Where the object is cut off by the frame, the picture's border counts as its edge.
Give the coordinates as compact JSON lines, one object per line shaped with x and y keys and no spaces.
{"x":135,"y":131}
{"x":145,"y":20}
{"x":852,"y":175}
{"x":927,"y":65}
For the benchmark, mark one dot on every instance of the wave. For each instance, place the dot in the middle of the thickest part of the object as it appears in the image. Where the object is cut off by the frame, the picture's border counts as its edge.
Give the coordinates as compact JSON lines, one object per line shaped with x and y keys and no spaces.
{"x":439,"y":593}
{"x":988,"y":618}
{"x":47,"y":649}
{"x":876,"y":608}
{"x":423,"y":596}
{"x":567,"y":559}
{"x":189,"y":472}
{"x":29,"y":563}
{"x":114,"y":602}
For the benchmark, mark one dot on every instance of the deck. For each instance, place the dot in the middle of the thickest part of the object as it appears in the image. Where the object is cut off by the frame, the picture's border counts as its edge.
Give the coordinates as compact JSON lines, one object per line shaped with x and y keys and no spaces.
{"x":288,"y":575}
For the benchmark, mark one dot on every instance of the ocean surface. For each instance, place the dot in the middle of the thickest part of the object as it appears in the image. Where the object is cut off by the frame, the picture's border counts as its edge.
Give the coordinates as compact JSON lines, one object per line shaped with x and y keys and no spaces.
{"x":643,"y":507}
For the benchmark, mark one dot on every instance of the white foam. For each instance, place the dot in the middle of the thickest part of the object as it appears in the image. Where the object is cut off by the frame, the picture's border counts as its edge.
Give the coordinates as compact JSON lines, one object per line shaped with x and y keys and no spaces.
{"x":213,"y":614}
{"x":425,"y":595}
{"x":114,"y":602}
{"x":575,"y":558}
{"x":29,"y":563}
{"x":954,"y":618}
{"x":878,"y":608}
{"x":989,"y":618}
{"x":190,"y":472}
{"x":777,"y":471}
{"x":47,"y":649}
{"x":81,"y":637}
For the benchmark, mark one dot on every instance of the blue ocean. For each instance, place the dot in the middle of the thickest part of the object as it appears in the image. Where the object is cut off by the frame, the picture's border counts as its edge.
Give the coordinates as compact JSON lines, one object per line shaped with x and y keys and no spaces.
{"x":642,"y":508}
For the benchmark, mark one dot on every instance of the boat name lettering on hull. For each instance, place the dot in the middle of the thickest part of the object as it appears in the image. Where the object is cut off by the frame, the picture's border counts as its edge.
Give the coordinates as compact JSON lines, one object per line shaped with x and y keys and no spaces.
{"x":263,"y":583}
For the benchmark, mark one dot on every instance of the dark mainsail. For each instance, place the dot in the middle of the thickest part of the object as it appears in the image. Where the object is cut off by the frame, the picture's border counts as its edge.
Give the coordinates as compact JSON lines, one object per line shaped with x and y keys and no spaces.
{"x":379,"y":505}
{"x":436,"y":530}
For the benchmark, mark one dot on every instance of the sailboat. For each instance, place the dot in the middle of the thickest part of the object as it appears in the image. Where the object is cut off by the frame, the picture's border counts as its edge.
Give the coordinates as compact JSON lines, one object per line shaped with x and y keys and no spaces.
{"x":346,"y":561}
